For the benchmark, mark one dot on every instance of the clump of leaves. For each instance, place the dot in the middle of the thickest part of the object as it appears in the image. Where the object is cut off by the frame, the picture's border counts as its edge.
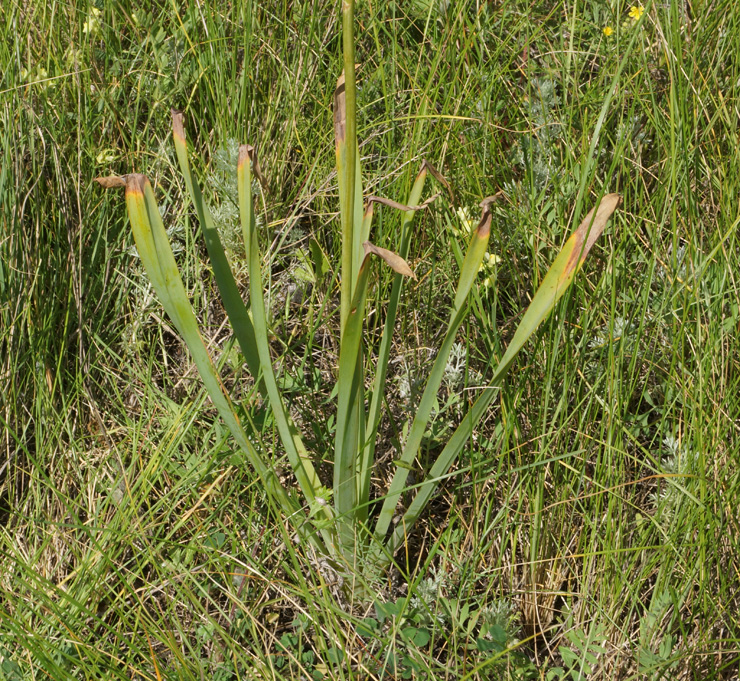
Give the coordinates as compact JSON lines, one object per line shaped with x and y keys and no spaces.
{"x":335,"y":520}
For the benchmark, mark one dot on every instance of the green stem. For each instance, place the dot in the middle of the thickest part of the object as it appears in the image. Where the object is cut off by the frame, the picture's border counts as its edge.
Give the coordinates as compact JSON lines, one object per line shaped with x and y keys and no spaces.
{"x":350,"y":93}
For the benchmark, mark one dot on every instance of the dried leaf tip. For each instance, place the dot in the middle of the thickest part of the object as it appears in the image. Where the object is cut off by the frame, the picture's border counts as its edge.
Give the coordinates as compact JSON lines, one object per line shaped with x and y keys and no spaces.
{"x":484,"y":226}
{"x":135,"y":183}
{"x":340,"y":112}
{"x":178,"y":123}
{"x":425,"y":165}
{"x":593,"y":224}
{"x":393,"y":260}
{"x":590,"y":229}
{"x":249,"y":153}
{"x":111,"y":181}
{"x":486,"y":203}
{"x":244,"y":154}
{"x":398,"y":206}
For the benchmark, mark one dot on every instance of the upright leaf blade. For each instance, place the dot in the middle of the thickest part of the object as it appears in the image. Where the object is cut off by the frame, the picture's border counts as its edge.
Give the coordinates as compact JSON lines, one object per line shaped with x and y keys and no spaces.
{"x":298,"y":456}
{"x":350,"y":195}
{"x":350,"y":406}
{"x":556,"y":281}
{"x":235,"y":308}
{"x":367,"y":453}
{"x":468,"y":274}
{"x":159,"y":262}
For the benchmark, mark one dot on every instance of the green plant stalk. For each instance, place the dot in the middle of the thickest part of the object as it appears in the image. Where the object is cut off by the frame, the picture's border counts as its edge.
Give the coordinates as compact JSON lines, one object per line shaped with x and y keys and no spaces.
{"x":351,"y":417}
{"x":351,"y":420}
{"x":349,"y":383}
{"x":156,"y":255}
{"x":347,"y":158}
{"x":298,"y":456}
{"x":340,"y":136}
{"x":353,"y":177}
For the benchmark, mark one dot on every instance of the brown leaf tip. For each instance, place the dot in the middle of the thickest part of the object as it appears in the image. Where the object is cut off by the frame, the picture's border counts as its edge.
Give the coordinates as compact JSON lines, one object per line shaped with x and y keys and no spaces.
{"x":178,"y":123}
{"x":244,"y":157}
{"x":591,"y":228}
{"x":135,"y":183}
{"x":439,"y":177}
{"x":393,"y":260}
{"x":249,"y":153}
{"x":486,"y":203}
{"x":111,"y":182}
{"x":484,"y":226}
{"x":593,"y":224}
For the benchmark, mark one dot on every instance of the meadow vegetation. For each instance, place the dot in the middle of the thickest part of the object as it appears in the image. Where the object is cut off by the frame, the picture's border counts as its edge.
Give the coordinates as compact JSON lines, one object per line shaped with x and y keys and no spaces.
{"x":587,"y":530}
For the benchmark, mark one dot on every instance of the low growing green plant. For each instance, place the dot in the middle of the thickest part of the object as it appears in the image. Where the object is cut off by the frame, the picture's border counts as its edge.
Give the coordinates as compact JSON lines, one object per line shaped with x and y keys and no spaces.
{"x":336,"y":520}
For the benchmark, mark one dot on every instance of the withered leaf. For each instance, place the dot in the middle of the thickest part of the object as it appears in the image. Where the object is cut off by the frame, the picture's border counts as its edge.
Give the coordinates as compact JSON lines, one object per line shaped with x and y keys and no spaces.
{"x":178,"y":123}
{"x":438,"y":176}
{"x":591,"y":228}
{"x":111,"y":181}
{"x":395,"y":261}
{"x":251,"y":153}
{"x":398,"y":206}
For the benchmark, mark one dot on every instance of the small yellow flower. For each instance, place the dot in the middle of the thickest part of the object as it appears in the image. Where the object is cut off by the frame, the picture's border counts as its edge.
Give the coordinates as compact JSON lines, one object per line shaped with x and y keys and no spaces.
{"x":72,"y":56}
{"x":636,"y":11}
{"x":608,"y":30}
{"x":489,"y":260}
{"x":467,"y":223}
{"x":488,"y":267}
{"x":92,"y":25}
{"x":37,"y":76}
{"x":105,"y":156}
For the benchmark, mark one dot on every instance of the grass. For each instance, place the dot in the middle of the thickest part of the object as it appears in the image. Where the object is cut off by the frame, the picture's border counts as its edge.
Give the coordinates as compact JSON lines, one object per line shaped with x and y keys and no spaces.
{"x":589,"y":530}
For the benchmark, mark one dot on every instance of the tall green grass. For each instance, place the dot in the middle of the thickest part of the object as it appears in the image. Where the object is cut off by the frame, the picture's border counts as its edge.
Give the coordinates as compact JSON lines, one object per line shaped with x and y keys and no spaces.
{"x":589,"y":530}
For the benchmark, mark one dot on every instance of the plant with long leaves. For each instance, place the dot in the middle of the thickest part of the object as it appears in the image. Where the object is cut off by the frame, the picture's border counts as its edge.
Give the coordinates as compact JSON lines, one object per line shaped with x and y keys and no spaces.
{"x":337,"y":521}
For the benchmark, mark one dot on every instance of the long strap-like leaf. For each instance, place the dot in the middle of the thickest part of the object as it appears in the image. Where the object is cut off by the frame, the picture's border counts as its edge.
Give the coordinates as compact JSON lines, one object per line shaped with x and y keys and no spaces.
{"x":159,"y":262}
{"x":298,"y":456}
{"x":350,"y":409}
{"x":235,"y":308}
{"x":468,"y":274}
{"x":367,"y":453}
{"x":556,"y":281}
